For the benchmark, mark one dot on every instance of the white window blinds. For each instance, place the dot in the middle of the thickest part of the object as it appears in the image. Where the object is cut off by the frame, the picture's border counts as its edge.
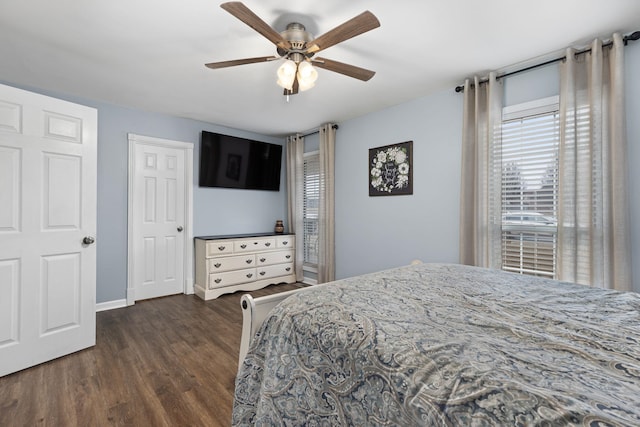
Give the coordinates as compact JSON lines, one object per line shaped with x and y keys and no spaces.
{"x":311,"y":199}
{"x":529,"y":190}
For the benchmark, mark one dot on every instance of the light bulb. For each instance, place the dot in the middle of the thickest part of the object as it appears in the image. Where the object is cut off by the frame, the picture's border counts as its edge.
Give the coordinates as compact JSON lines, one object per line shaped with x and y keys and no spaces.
{"x":307,"y":72}
{"x":307,"y":76}
{"x":287,"y":74}
{"x":305,"y":85}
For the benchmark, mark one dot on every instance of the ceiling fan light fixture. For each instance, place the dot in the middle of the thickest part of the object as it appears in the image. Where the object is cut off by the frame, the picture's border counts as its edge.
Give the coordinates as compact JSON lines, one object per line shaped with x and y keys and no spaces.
{"x":307,"y":72}
{"x":305,"y":85}
{"x":287,"y":74}
{"x":307,"y":76}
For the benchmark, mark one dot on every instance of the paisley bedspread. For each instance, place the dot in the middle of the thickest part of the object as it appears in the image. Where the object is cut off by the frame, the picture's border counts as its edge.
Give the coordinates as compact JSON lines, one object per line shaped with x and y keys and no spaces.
{"x":441,"y":344}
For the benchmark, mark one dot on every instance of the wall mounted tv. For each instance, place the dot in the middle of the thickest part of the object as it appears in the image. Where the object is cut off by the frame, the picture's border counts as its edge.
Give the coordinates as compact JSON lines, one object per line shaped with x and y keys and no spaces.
{"x":233,"y":162}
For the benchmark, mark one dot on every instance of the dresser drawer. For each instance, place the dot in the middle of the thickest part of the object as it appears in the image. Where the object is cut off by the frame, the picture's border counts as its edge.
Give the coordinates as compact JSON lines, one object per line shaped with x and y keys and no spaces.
{"x":287,"y":241}
{"x":275,"y":257}
{"x":252,"y":245}
{"x":230,"y":263}
{"x":219,"y":280}
{"x":218,"y":247}
{"x":269,"y":271}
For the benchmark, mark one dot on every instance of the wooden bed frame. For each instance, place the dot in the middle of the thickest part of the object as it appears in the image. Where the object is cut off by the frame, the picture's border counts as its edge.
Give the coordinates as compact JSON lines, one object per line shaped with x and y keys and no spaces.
{"x":254,"y":311}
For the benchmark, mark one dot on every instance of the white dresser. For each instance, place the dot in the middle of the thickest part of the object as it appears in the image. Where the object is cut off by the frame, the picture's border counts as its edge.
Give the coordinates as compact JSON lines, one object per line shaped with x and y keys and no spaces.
{"x":226,"y":264}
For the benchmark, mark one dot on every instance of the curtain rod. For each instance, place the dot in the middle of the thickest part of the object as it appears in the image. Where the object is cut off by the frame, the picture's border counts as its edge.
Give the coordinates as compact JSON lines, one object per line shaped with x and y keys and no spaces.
{"x":633,"y":36}
{"x":313,"y":132}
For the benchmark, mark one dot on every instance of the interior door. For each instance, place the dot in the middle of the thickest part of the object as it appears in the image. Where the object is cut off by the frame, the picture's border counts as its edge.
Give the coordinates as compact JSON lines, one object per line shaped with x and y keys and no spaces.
{"x":158,"y":220}
{"x":47,"y":228}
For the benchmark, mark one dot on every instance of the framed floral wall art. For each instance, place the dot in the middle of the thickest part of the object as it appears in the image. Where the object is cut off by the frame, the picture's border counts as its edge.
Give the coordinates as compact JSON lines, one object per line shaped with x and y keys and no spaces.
{"x":391,"y":169}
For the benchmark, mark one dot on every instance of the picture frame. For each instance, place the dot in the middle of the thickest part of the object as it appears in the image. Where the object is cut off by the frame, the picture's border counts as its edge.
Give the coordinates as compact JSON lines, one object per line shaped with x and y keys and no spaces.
{"x":391,"y":169}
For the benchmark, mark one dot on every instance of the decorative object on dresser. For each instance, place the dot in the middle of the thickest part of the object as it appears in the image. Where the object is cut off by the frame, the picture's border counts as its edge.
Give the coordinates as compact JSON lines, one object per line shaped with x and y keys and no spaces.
{"x":226,"y":264}
{"x":279,"y":228}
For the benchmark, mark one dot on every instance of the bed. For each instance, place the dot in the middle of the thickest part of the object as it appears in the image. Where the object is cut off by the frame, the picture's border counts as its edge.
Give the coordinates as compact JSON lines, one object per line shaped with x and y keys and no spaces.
{"x":441,"y":344}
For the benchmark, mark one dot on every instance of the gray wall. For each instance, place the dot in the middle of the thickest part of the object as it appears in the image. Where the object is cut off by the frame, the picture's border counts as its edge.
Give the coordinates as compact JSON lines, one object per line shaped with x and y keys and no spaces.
{"x":632,"y":63}
{"x":373,"y":233}
{"x":216,"y":210}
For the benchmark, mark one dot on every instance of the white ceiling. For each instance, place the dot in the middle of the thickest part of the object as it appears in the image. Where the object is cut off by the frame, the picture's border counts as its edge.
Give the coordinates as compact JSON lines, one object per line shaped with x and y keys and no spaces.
{"x":150,"y":54}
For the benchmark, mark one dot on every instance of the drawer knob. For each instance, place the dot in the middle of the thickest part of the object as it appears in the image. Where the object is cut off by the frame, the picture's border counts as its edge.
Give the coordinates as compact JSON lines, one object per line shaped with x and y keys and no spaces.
{"x":243,"y":246}
{"x":218,"y":280}
{"x":285,"y":243}
{"x":288,"y":268}
{"x":267,"y":244}
{"x":250,"y":275}
{"x":249,"y":261}
{"x":217,"y":265}
{"x":287,"y":256}
{"x":262,"y":273}
{"x":221,"y":248}
{"x":263,"y":259}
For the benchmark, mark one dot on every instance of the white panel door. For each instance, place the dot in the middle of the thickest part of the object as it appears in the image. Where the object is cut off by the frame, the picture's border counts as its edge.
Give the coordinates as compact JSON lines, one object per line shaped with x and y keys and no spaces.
{"x":158,"y":221}
{"x":47,"y":228}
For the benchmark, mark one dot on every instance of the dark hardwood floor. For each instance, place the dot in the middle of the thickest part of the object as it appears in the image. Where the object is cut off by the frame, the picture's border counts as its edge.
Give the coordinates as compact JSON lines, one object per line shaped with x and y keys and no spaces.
{"x":164,"y":362}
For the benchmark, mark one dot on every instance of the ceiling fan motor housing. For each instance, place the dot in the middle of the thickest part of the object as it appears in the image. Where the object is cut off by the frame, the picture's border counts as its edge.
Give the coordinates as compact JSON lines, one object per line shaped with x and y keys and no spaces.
{"x":297,"y":35}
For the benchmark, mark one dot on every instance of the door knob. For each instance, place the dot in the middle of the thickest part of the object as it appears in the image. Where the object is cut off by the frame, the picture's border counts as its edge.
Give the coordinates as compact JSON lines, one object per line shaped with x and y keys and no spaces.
{"x":180,"y":228}
{"x":88,"y":240}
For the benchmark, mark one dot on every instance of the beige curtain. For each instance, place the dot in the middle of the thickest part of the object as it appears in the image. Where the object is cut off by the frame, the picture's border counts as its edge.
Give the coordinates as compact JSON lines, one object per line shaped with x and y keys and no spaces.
{"x":593,"y":210}
{"x":479,"y":213}
{"x":326,"y":227}
{"x":295,"y":182}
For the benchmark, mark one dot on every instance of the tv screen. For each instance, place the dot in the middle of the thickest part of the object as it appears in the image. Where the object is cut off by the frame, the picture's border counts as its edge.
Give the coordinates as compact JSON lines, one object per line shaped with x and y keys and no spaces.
{"x":233,"y":162}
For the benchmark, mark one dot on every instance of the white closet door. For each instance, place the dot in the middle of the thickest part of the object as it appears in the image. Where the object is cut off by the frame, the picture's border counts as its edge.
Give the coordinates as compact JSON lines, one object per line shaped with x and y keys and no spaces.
{"x":159,"y":206}
{"x":47,"y":228}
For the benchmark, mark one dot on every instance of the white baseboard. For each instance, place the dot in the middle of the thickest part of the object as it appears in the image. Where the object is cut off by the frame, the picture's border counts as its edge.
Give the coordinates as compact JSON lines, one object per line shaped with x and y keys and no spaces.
{"x":110,"y":305}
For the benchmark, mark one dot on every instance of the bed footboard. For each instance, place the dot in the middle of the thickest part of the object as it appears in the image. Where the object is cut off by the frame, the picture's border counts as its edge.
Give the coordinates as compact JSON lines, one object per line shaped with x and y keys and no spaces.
{"x":254,"y":311}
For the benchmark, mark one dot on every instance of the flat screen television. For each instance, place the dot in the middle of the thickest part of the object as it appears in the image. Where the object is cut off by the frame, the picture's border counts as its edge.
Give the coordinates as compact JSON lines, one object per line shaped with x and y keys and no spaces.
{"x":233,"y":162}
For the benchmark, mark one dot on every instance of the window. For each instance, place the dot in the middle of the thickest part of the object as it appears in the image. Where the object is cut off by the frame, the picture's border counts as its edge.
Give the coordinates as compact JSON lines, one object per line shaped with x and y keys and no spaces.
{"x":311,"y":199}
{"x":528,"y":158}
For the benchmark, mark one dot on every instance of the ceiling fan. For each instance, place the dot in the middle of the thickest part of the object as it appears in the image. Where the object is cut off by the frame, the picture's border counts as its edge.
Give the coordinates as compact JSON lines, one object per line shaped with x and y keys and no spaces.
{"x":298,"y":48}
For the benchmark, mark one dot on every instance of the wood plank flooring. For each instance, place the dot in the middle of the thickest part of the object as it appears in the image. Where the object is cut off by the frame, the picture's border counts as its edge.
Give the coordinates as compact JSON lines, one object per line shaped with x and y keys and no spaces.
{"x":163,"y":362}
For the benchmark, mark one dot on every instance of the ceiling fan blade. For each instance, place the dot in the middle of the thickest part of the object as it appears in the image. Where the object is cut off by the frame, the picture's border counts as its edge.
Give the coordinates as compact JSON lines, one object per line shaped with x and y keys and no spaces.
{"x":233,"y":63}
{"x":362,"y":23}
{"x":342,"y":68}
{"x":243,"y":13}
